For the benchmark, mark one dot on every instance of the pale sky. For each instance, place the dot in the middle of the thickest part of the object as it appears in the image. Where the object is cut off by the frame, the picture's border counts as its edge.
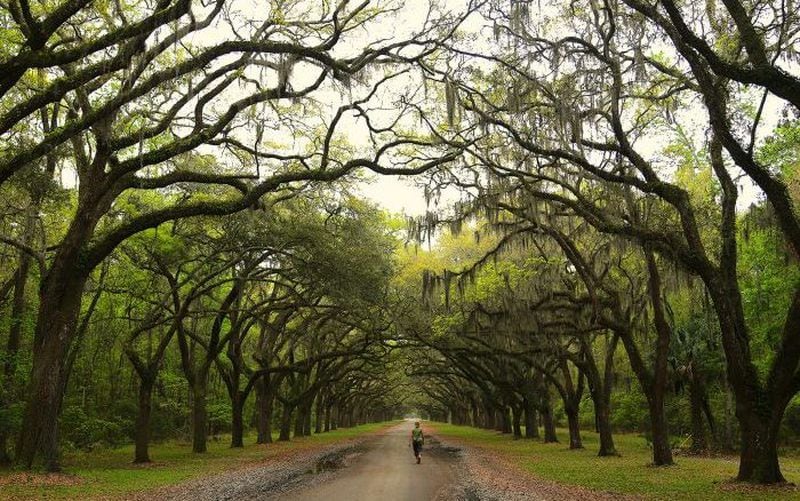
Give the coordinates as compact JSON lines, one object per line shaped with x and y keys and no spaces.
{"x":395,"y":194}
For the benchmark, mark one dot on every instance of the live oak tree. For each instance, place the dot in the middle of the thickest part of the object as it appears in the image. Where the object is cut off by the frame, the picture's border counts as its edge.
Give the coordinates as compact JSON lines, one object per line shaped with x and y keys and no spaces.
{"x":590,"y":89}
{"x":176,"y":212}
{"x":132,"y":91}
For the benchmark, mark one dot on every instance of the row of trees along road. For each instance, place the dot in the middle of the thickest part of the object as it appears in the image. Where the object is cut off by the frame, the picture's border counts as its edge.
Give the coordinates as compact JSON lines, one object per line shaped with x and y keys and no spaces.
{"x":616,"y":140}
{"x":218,"y":321}
{"x":122,"y":119}
{"x":174,"y":180}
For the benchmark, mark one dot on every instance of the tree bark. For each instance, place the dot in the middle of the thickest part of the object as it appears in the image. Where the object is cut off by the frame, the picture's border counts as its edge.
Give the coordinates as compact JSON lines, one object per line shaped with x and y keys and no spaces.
{"x":59,"y":308}
{"x":328,"y":413}
{"x":300,"y":419}
{"x":759,"y":412}
{"x":142,"y":439}
{"x":603,"y":403}
{"x":286,"y":423}
{"x":264,"y":400}
{"x":237,"y":421}
{"x":662,"y":452}
{"x":573,"y":422}
{"x":600,"y":391}
{"x":489,"y":417}
{"x":505,"y":420}
{"x":531,"y":419}
{"x":516,"y":413}
{"x":200,"y":413}
{"x":548,"y":421}
{"x":759,"y":457}
{"x":602,"y":409}
{"x":39,"y":435}
{"x":307,"y":420}
{"x":320,"y":414}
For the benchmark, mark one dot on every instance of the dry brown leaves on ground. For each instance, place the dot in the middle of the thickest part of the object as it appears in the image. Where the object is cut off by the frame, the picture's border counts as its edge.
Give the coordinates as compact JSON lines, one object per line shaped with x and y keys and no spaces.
{"x":40,"y":479}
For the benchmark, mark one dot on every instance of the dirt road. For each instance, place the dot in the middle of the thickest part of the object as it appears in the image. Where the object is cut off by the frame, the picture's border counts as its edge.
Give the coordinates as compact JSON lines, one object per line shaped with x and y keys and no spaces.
{"x":386,"y":471}
{"x":379,"y":467}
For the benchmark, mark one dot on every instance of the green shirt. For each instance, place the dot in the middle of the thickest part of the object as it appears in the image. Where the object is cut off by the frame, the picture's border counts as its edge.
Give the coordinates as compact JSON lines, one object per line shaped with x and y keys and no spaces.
{"x":416,"y":434}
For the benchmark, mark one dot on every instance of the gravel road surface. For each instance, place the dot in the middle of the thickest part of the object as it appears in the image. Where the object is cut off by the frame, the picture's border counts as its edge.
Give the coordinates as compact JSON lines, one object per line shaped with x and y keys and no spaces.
{"x":387,"y":471}
{"x":381,"y":467}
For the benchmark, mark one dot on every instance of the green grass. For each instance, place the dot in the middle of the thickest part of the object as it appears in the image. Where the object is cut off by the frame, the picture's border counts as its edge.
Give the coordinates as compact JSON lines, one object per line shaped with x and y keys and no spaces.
{"x":110,"y":474}
{"x":690,"y":478}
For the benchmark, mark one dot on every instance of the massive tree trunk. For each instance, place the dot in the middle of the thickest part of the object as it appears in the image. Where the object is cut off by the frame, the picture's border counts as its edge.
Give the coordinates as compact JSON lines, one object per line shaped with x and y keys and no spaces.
{"x":335,"y":416}
{"x":603,"y":403}
{"x":531,"y":419}
{"x":286,"y":423}
{"x":489,"y":417}
{"x":59,"y":308}
{"x":573,"y":421}
{"x":758,"y":411}
{"x":328,"y":416}
{"x":759,"y":457}
{"x":302,"y":424}
{"x":548,"y":423}
{"x":237,"y":419}
{"x":39,"y":436}
{"x":300,"y":420}
{"x":516,"y":413}
{"x":307,"y":420}
{"x":602,"y":410}
{"x":505,"y":420}
{"x":600,"y":391}
{"x":200,"y":413}
{"x":662,"y":451}
{"x":571,"y":395}
{"x":142,"y":438}
{"x":264,"y":400}
{"x":320,"y":414}
{"x":759,"y":406}
{"x":653,"y":383}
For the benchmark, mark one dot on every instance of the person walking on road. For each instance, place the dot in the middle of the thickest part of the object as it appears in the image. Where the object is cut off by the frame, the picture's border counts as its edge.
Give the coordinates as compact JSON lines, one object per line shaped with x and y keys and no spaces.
{"x":417,"y":439}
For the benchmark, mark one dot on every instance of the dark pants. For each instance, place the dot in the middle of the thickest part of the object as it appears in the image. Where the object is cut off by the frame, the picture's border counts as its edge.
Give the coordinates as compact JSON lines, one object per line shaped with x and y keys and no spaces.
{"x":417,"y":447}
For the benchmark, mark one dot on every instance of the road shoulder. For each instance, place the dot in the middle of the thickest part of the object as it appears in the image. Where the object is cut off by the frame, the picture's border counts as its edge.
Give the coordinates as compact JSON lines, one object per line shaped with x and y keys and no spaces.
{"x":486,"y":475}
{"x":269,"y":478}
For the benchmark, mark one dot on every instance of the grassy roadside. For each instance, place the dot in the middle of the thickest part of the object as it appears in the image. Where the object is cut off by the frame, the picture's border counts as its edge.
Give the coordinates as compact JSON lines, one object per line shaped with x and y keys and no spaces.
{"x":691,"y":478}
{"x":109,"y":474}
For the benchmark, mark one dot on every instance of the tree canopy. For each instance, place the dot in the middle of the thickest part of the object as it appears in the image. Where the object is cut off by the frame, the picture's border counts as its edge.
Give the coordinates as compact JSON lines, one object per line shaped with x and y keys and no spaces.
{"x":612,"y":233}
